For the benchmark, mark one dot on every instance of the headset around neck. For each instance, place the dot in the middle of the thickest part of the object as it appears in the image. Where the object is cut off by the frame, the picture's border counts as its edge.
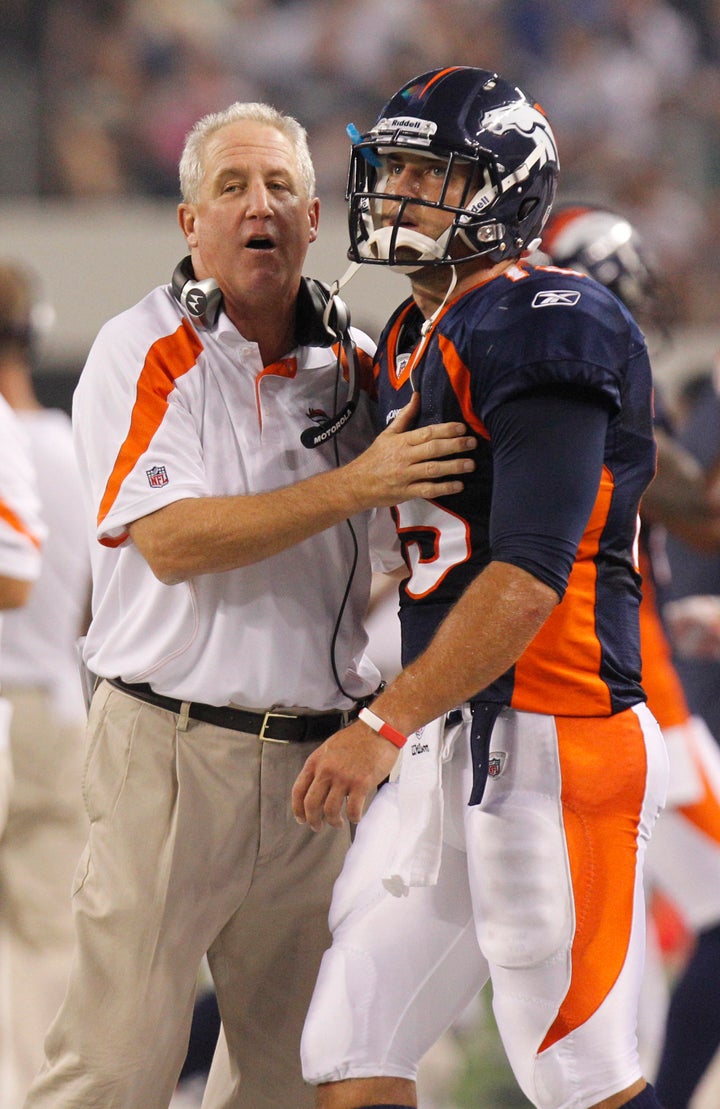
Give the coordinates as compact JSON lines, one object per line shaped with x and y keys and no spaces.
{"x":322,"y":319}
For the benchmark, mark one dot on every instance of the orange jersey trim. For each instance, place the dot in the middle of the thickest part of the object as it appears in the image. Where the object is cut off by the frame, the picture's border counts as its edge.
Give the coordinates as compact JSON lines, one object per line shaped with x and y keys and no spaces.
{"x":459,"y":375}
{"x":665,"y":696}
{"x":601,"y":814}
{"x":548,"y":668}
{"x":167,"y":360}
{"x":13,"y":520}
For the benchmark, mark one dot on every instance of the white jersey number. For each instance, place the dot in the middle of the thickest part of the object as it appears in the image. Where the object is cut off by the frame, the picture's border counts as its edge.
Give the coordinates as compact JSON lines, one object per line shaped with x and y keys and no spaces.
{"x":435,"y":540}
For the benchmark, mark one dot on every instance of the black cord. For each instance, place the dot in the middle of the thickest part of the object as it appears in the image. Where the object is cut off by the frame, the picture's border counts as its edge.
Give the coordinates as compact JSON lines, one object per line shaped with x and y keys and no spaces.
{"x":356,"y":551}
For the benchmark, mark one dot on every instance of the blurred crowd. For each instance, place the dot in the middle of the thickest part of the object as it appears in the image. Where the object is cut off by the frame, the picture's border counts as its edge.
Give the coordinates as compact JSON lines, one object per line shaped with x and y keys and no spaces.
{"x":96,"y":96}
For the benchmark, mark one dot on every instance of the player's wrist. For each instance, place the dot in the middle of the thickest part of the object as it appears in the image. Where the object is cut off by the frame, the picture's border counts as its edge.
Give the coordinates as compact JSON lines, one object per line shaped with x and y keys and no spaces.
{"x":382,"y":727}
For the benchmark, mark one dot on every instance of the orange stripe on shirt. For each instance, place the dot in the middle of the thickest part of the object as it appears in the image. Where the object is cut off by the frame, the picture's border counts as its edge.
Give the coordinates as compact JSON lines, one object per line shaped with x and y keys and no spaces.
{"x":603,"y":765}
{"x":13,"y":520}
{"x":167,"y":360}
{"x":562,"y":664}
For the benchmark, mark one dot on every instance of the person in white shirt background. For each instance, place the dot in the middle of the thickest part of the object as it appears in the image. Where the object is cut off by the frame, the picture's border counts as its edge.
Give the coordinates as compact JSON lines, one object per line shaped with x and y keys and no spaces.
{"x":39,"y":674}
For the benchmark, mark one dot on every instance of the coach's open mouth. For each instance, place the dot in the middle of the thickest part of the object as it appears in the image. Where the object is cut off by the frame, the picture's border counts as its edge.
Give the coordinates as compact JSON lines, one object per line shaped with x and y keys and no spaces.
{"x":260,"y":244}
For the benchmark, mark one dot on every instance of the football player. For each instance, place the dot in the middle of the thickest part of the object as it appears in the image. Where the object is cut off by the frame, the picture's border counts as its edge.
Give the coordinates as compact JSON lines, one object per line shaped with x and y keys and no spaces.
{"x":511,"y":845}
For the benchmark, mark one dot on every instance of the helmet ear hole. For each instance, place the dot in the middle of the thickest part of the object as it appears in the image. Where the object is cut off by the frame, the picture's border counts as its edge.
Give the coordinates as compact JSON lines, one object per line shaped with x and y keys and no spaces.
{"x":528,"y":205}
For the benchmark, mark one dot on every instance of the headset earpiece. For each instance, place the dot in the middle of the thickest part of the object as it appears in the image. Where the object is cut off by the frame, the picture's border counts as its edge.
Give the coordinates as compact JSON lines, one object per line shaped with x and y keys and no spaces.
{"x":201,"y":299}
{"x":322,"y":318}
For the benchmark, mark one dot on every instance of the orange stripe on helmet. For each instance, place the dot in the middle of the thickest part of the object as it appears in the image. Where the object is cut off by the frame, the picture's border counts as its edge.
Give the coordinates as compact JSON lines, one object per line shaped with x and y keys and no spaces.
{"x":167,"y":360}
{"x":558,"y":223}
{"x":437,"y":77}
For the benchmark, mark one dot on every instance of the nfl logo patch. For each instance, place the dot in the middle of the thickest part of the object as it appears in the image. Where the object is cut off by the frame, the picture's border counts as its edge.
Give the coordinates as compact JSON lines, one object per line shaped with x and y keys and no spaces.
{"x":496,"y":764}
{"x":157,"y":476}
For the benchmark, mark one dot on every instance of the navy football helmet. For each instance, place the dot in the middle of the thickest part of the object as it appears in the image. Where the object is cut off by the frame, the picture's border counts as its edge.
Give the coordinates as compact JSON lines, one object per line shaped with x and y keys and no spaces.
{"x":459,"y":114}
{"x":606,"y":246}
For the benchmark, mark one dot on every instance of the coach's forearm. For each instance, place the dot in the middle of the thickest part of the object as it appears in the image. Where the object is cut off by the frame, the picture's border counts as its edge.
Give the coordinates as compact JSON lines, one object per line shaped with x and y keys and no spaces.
{"x":208,"y":535}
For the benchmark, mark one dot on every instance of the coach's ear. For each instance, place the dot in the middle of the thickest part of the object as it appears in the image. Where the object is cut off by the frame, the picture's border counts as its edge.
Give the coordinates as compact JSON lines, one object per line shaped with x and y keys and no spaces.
{"x":187,"y":217}
{"x":314,"y":219}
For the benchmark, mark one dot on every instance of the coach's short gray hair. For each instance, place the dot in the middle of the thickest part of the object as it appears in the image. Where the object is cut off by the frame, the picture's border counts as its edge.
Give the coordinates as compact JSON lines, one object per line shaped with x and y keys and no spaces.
{"x":191,"y":161}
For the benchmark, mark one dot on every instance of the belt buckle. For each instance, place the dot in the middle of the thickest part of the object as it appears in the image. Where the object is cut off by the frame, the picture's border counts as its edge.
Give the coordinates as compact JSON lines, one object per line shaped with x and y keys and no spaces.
{"x":266,"y":720}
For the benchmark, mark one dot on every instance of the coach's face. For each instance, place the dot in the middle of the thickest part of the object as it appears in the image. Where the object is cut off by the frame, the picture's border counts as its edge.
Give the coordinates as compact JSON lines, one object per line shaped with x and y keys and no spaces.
{"x":253,"y":221}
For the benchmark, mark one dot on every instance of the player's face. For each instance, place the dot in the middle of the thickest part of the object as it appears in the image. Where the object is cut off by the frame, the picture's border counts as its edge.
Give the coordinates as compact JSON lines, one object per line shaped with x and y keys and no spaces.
{"x":419,"y":177}
{"x":253,"y":221}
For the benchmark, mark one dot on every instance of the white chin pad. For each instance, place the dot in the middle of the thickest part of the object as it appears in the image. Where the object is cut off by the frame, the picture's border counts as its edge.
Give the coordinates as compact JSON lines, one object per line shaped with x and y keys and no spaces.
{"x":378,"y":246}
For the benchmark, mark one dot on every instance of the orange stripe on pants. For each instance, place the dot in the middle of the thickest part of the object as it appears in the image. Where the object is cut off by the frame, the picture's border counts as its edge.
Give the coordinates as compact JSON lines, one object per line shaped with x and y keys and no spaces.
{"x":603,"y":766}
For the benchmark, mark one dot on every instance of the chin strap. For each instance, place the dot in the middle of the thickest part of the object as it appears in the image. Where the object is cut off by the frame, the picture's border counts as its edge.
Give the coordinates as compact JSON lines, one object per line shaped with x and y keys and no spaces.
{"x":427,"y":249}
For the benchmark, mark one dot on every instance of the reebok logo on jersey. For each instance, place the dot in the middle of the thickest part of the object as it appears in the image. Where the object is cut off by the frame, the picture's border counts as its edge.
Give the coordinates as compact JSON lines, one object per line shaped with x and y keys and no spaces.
{"x":157,"y":477}
{"x":551,"y":298}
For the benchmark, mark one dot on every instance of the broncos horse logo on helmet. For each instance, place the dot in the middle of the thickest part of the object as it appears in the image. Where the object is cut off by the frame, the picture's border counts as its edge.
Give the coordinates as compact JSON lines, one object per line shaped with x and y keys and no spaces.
{"x":459,"y":114}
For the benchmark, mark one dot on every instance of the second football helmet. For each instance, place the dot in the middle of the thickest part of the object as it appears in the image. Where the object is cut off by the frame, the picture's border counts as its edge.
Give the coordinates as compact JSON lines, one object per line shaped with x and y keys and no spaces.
{"x":606,"y":246}
{"x":459,"y":114}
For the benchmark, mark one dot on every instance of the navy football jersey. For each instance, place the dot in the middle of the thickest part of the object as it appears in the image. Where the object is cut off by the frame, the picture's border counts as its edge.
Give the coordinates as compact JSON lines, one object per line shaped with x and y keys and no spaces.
{"x":551,"y":373}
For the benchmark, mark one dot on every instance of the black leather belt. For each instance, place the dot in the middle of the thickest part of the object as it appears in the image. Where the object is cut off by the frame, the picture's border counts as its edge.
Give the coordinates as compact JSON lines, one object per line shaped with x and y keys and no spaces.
{"x":279,"y":726}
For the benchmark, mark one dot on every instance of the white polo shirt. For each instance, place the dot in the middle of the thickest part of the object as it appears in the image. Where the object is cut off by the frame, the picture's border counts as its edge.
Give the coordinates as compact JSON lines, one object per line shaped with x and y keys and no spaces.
{"x":165,"y":411}
{"x":39,"y":639}
{"x":22,"y":531}
{"x":21,"y":528}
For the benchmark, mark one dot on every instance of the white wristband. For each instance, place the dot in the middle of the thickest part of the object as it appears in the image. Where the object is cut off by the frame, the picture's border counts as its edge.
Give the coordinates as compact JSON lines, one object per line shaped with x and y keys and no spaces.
{"x":378,"y":725}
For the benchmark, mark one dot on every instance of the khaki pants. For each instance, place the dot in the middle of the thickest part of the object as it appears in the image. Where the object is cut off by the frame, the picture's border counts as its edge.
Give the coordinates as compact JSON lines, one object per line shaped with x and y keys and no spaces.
{"x":46,"y":829}
{"x":192,"y":849}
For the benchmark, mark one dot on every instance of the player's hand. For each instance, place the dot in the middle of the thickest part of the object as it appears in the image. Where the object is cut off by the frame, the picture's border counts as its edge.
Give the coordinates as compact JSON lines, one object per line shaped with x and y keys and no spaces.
{"x":341,"y":773}
{"x":406,"y":462}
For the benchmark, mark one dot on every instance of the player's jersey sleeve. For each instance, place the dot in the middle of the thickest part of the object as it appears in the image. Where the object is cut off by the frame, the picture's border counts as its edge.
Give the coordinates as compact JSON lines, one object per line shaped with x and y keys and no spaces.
{"x":136,"y":437}
{"x":22,"y":530}
{"x":547,"y":462}
{"x":567,"y":333}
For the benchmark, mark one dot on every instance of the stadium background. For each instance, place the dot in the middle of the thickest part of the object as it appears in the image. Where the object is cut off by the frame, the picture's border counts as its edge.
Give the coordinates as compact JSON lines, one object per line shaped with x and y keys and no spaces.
{"x":96,"y":97}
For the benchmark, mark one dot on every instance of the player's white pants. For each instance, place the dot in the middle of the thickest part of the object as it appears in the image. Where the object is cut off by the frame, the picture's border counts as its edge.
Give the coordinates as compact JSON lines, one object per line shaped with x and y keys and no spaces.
{"x":540,"y":888}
